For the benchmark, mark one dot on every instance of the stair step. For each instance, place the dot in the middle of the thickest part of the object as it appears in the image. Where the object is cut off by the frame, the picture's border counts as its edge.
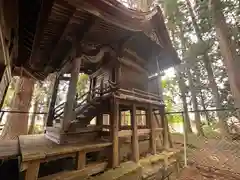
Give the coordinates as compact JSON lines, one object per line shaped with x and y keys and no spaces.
{"x":81,"y":116}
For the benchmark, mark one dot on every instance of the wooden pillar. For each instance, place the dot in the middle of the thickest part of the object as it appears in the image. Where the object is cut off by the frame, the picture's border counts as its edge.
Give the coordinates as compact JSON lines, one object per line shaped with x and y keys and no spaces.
{"x":135,"y":145}
{"x":99,"y":119}
{"x":114,"y":123}
{"x":70,"y":102}
{"x":52,"y":103}
{"x":164,"y":123}
{"x":32,"y":170}
{"x":81,"y":160}
{"x":120,"y":120}
{"x":152,"y":132}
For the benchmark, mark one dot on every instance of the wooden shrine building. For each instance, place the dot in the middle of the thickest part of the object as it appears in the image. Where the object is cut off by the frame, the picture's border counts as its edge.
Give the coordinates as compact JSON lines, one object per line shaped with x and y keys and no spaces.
{"x":121,"y":50}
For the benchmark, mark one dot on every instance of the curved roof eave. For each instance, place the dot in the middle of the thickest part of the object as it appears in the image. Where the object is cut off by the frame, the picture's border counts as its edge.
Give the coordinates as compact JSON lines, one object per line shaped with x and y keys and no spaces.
{"x":123,"y":17}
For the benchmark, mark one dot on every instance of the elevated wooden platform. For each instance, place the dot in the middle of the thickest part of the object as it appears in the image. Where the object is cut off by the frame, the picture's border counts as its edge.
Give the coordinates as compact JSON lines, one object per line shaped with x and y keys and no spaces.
{"x":36,"y":149}
{"x":9,"y":149}
{"x":78,"y":135}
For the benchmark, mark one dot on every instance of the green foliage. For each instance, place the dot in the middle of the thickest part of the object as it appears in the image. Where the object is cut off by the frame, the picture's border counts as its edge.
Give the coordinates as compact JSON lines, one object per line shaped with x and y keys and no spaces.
{"x":82,"y":84}
{"x":38,"y":129}
{"x":175,"y":118}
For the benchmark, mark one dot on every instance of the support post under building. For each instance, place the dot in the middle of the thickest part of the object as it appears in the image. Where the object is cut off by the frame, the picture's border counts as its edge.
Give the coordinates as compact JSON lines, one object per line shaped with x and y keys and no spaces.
{"x":114,"y":123}
{"x":135,"y":145}
{"x":70,"y":102}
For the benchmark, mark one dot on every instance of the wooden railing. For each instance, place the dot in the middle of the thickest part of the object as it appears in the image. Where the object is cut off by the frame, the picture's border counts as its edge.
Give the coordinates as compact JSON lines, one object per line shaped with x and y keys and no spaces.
{"x":86,"y":97}
{"x":141,"y":94}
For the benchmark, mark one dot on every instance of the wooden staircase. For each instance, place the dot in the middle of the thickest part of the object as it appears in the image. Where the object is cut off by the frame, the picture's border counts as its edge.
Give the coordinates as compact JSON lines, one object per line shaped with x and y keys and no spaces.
{"x":87,"y":106}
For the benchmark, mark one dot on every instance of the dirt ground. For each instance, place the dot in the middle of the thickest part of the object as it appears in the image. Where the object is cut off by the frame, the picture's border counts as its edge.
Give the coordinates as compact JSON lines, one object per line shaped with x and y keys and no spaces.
{"x":210,"y":159}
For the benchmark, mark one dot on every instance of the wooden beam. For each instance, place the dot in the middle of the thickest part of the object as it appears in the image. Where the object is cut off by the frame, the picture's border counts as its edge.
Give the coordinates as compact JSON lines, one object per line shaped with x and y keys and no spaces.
{"x":45,"y":12}
{"x":135,"y":145}
{"x":52,"y":103}
{"x":70,"y":102}
{"x":32,"y":170}
{"x":81,"y":160}
{"x":120,"y":120}
{"x":150,"y":120}
{"x":76,"y":43}
{"x":129,"y":127}
{"x":114,"y":123}
{"x":129,"y":133}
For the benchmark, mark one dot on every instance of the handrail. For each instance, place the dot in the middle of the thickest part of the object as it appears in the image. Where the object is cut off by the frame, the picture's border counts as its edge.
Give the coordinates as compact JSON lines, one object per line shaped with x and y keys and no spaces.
{"x":145,"y":95}
{"x":145,"y":92}
{"x":96,"y":91}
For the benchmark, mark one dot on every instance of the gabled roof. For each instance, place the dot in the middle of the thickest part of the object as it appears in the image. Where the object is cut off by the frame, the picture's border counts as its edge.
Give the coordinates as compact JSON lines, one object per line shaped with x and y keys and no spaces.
{"x":51,"y":30}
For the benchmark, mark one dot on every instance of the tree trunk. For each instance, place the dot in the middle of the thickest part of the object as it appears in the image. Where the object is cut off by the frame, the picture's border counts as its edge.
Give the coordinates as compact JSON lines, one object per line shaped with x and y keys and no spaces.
{"x":33,"y":117}
{"x":191,"y":87}
{"x":202,"y":100}
{"x":17,"y":124}
{"x":211,"y":79}
{"x":197,"y":116}
{"x":228,"y":51}
{"x":182,"y":87}
{"x":204,"y":108}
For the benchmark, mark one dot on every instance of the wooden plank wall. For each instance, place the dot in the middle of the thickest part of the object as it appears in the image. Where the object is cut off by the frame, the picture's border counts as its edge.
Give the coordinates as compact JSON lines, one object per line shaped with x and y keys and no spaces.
{"x":131,"y":78}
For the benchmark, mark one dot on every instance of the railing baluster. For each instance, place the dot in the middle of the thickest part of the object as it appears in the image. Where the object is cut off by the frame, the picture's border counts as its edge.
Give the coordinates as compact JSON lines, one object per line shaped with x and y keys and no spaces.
{"x":1,"y":116}
{"x":98,"y":92}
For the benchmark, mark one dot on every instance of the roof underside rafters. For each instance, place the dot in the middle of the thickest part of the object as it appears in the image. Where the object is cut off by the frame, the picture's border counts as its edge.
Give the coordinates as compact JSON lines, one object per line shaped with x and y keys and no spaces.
{"x":64,"y":25}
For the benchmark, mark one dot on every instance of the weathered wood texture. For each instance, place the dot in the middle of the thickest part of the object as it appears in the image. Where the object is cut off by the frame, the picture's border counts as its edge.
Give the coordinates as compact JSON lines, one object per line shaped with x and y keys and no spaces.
{"x":129,"y":133}
{"x":52,"y":103}
{"x":69,"y":106}
{"x":132,"y":77}
{"x":32,"y":170}
{"x":81,"y":160}
{"x":75,"y":134}
{"x":126,"y":171}
{"x":34,"y":147}
{"x":140,"y":132}
{"x":114,"y":120}
{"x":90,"y":169}
{"x":139,"y":97}
{"x":9,"y":149}
{"x":135,"y":145}
{"x":152,"y":127}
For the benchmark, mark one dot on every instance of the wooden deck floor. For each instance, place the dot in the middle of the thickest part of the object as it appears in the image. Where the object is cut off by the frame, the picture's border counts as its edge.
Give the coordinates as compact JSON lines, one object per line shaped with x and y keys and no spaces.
{"x":9,"y":149}
{"x":34,"y":147}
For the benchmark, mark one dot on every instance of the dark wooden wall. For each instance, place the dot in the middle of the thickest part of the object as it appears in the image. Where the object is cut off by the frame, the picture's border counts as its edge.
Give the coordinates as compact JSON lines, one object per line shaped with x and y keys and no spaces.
{"x":132,"y":78}
{"x":154,"y":85}
{"x":132,"y":73}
